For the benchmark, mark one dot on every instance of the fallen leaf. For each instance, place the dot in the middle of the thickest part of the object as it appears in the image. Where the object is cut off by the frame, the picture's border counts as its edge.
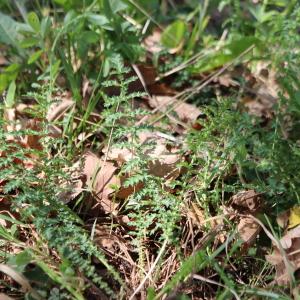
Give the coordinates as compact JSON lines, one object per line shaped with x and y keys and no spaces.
{"x":186,"y":112}
{"x":148,"y":72}
{"x":161,"y":89}
{"x":152,"y":42}
{"x":262,"y":83}
{"x":3,"y":60}
{"x":58,"y":109}
{"x":290,"y":243}
{"x":197,"y":214}
{"x":248,"y":230}
{"x":33,"y":141}
{"x":248,"y":200}
{"x":96,"y":175}
{"x":225,"y":79}
{"x":100,"y":177}
{"x":164,"y":159}
{"x":294,"y":217}
{"x":283,"y":219}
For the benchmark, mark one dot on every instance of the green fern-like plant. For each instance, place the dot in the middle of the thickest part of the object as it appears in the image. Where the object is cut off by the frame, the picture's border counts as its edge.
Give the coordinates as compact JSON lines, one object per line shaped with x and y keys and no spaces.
{"x":34,"y":194}
{"x":152,"y":209}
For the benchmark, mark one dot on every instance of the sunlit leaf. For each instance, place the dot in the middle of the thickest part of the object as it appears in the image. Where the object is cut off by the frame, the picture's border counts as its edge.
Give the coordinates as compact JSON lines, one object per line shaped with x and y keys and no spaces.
{"x":29,"y":42}
{"x":10,"y":97}
{"x":294,"y":218}
{"x":33,"y":21}
{"x":226,"y":54}
{"x":173,"y":35}
{"x":34,"y":57}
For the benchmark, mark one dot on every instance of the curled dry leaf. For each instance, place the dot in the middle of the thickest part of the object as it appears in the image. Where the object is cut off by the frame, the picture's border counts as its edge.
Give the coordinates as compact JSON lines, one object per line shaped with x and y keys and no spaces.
{"x":56,"y":112}
{"x":294,"y":217}
{"x":186,"y":112}
{"x":249,"y":201}
{"x":111,"y":241}
{"x":289,"y":218}
{"x":290,"y":243}
{"x":3,"y":60}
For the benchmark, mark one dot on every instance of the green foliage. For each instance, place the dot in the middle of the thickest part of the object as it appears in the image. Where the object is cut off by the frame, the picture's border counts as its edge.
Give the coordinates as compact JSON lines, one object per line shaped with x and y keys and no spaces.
{"x":37,"y":200}
{"x":226,"y":54}
{"x":152,"y":209}
{"x":87,"y":42}
{"x":174,"y":34}
{"x":81,"y":32}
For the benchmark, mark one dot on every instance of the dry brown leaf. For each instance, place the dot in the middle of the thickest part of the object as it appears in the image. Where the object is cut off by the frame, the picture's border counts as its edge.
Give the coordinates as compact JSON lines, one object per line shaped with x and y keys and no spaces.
{"x":10,"y":118}
{"x":225,"y":79}
{"x":248,"y":200}
{"x":283,"y":219}
{"x":57,"y":110}
{"x":290,"y":243}
{"x":161,"y":89}
{"x":163,"y":158}
{"x":197,"y":214}
{"x":262,"y":83}
{"x":152,"y":42}
{"x":3,"y":60}
{"x":186,"y":112}
{"x":33,"y":141}
{"x":148,"y":72}
{"x":18,"y":277}
{"x":100,"y":176}
{"x":248,"y":230}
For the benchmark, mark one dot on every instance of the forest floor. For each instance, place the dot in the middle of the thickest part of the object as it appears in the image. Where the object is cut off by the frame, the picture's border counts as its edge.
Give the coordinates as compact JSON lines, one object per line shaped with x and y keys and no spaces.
{"x":149,"y":150}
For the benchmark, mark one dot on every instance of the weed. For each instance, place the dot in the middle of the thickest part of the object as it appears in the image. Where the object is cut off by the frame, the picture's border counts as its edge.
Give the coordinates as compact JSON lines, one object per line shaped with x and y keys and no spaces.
{"x":34,"y":194}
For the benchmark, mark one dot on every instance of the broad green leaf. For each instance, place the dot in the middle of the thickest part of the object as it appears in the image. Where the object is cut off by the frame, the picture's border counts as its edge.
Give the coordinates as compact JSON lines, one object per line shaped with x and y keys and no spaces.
{"x":8,"y":75}
{"x":61,"y":2}
{"x":10,"y":97}
{"x":85,"y":39}
{"x":20,"y":260}
{"x":13,"y":68}
{"x":29,"y":42}
{"x":97,"y":19}
{"x":117,"y":5}
{"x":3,"y":82}
{"x":54,"y":69}
{"x":71,"y":14}
{"x":33,"y":21}
{"x":45,"y":26}
{"x":8,"y":30}
{"x":71,"y":4}
{"x":226,"y":54}
{"x":173,"y":35}
{"x":34,"y":57}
